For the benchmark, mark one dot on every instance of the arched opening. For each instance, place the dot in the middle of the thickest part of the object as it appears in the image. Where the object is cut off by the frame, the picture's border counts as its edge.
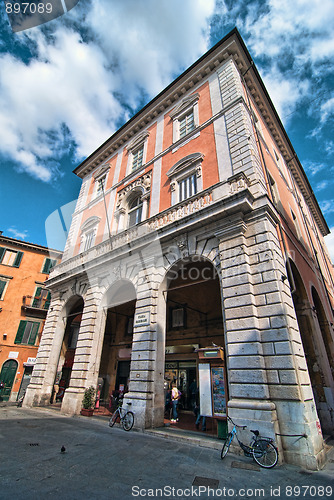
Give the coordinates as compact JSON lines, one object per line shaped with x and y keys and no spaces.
{"x":67,"y":352}
{"x":324,"y":328}
{"x":7,"y":377}
{"x":193,"y":321}
{"x":306,"y":325}
{"x":119,"y":305}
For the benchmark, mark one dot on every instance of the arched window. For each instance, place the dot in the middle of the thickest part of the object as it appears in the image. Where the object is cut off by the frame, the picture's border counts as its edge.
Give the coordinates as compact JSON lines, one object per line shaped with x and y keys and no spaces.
{"x":135,"y":211}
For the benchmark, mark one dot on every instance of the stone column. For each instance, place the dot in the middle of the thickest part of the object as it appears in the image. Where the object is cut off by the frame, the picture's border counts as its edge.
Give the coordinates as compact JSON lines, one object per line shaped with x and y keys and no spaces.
{"x":40,"y":388}
{"x":146,"y":396}
{"x":267,"y":372}
{"x":86,"y":364}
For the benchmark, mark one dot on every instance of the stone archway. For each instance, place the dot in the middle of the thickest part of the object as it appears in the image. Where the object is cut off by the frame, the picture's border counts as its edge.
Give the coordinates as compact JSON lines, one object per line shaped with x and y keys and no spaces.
{"x":73,"y":310}
{"x":307,"y":328}
{"x":193,"y":320}
{"x":118,"y":304}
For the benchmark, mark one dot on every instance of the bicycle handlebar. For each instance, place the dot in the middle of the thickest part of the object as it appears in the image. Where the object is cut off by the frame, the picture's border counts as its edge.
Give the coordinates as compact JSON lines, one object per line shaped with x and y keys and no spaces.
{"x":236,"y":425}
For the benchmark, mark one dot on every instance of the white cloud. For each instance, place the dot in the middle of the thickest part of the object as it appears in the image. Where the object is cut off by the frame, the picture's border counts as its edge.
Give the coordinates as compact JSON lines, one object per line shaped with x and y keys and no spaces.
{"x":150,"y":41}
{"x":284,"y":92}
{"x":329,"y":240}
{"x":327,"y":206}
{"x":294,"y":41}
{"x":16,"y":233}
{"x":66,"y":84}
{"x":67,"y":93}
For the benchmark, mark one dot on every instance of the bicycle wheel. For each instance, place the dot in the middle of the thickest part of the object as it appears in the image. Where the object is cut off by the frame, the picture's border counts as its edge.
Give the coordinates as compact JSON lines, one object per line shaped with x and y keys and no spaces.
{"x":265,"y":453}
{"x":128,"y":421}
{"x":113,"y":419}
{"x":226,"y":445}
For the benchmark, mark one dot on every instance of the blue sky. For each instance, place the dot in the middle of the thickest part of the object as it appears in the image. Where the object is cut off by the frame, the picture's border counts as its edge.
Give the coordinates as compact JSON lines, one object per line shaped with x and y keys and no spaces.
{"x":66,"y":86}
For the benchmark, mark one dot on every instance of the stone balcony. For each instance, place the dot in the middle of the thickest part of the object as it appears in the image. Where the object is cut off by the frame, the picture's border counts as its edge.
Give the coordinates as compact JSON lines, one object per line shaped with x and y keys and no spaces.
{"x":231,"y":195}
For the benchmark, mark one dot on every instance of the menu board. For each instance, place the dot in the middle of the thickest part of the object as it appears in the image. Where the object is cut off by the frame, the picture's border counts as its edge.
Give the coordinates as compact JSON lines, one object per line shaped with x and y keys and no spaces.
{"x":218,"y":391}
{"x":205,"y":399}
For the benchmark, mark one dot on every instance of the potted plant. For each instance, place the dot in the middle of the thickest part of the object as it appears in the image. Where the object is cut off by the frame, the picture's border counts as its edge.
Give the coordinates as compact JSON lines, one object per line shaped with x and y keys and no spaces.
{"x":88,"y":402}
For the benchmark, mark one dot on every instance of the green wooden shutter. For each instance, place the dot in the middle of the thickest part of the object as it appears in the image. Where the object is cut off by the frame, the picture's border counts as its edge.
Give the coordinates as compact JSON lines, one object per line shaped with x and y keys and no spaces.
{"x":47,"y":302}
{"x":2,"y":287}
{"x":33,"y":334}
{"x":37,"y":297}
{"x":2,"y":253}
{"x":18,"y":259}
{"x":20,"y":332}
{"x":48,"y":265}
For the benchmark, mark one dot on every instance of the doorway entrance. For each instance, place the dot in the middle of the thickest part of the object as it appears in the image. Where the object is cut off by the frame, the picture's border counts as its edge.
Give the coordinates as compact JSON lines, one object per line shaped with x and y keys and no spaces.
{"x":7,"y":377}
{"x":193,"y":321}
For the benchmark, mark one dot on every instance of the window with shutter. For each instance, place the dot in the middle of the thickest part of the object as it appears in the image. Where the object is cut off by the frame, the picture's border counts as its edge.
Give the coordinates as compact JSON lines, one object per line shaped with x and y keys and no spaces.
{"x":9,"y":257}
{"x":27,"y":332}
{"x":48,"y":265}
{"x":3,"y":284}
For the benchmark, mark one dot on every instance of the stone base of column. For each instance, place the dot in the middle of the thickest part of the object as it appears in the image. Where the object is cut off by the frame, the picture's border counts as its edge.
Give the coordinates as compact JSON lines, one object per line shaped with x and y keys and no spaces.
{"x":297,"y":419}
{"x":294,"y":426}
{"x":260,"y":415}
{"x":36,"y":396}
{"x":145,"y":415}
{"x":72,"y":401}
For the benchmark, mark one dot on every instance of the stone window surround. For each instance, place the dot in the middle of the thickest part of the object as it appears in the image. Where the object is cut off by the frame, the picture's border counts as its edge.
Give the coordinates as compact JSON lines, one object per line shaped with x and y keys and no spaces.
{"x":183,"y":169}
{"x":100,"y":174}
{"x":140,"y":141}
{"x":142,"y":187}
{"x":187,"y":105}
{"x":89,"y":226}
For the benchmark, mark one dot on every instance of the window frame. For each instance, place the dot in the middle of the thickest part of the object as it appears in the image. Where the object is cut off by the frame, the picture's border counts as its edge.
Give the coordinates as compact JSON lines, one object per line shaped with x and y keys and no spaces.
{"x":187,"y":107}
{"x":32,"y":335}
{"x":5,"y":280}
{"x":39,"y":297}
{"x":88,"y":233}
{"x":181,"y":311}
{"x":17,"y":260}
{"x":189,"y":167}
{"x":48,"y":265}
{"x":139,"y":144}
{"x":135,"y":210}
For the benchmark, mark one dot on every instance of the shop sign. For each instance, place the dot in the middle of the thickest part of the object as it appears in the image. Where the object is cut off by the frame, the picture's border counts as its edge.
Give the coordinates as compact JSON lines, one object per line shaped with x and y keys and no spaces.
{"x":30,"y":362}
{"x":142,"y":319}
{"x":181,"y":349}
{"x":171,"y":366}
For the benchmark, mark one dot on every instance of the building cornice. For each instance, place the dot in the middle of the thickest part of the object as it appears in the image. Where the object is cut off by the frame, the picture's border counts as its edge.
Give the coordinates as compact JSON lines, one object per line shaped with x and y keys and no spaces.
{"x":6,"y":240}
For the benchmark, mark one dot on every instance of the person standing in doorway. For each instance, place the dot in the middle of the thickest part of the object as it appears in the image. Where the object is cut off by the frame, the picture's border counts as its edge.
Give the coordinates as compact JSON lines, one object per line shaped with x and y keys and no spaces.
{"x":175,"y":400}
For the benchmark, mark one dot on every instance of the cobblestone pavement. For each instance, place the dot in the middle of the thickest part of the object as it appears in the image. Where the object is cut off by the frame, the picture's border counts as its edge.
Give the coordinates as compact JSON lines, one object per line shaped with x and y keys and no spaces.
{"x":104,"y":463}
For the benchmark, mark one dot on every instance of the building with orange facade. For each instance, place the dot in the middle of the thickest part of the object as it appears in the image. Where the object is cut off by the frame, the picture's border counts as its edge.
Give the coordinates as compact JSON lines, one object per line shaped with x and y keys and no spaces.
{"x":196,"y":227}
{"x":24,"y":302}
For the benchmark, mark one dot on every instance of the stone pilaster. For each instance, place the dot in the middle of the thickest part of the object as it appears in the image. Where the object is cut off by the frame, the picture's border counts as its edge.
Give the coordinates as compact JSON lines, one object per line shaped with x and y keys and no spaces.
{"x":242,"y":144}
{"x":264,"y":351}
{"x":145,"y":396}
{"x":87,"y":353}
{"x":40,"y":388}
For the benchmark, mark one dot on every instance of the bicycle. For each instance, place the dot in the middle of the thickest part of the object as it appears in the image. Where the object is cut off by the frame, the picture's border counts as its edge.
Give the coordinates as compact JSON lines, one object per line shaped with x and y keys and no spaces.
{"x":126,"y":417}
{"x":262,"y":449}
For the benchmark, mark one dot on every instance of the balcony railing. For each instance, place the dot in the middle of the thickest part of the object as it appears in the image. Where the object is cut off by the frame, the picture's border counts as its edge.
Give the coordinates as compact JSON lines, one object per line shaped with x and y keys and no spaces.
{"x":39,"y":303}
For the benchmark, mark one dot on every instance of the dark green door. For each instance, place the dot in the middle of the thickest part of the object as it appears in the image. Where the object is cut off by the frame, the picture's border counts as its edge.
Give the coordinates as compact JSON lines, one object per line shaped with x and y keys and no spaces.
{"x":7,"y":377}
